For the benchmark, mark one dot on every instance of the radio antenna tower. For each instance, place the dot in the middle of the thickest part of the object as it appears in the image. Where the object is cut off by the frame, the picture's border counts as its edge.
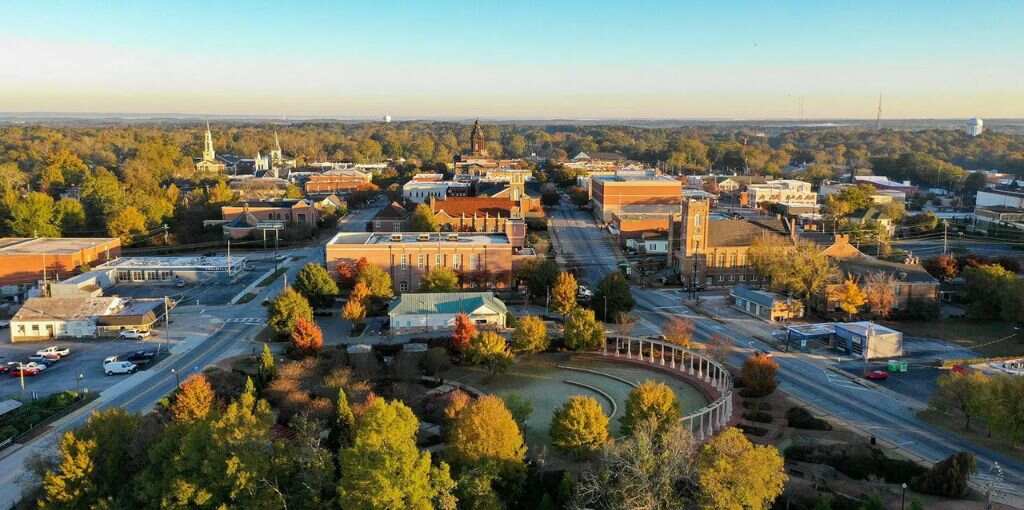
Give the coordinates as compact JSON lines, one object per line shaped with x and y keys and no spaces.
{"x":878,"y":118}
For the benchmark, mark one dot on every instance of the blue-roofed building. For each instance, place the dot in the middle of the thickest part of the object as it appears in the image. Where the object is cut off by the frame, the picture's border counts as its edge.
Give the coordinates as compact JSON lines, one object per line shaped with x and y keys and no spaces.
{"x":414,"y":312}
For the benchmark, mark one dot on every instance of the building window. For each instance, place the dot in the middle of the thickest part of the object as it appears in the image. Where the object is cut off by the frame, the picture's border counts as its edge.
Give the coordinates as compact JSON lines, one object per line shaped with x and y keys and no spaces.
{"x":137,"y":276}
{"x":124,"y":275}
{"x":743,"y":277}
{"x":397,"y":227}
{"x":403,"y":261}
{"x":732,"y":260}
{"x":457,"y":261}
{"x":721,"y":260}
{"x":421,"y":261}
{"x":165,"y":275}
{"x":721,"y":278}
{"x":474,"y":262}
{"x":403,"y":286}
{"x":438,"y":260}
{"x":152,"y":275}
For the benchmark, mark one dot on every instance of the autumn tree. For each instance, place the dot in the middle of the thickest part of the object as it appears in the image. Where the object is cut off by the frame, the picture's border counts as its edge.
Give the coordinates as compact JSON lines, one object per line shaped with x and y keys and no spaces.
{"x":316,"y":284}
{"x":377,"y":281}
{"x":802,"y":269}
{"x":563,"y":294}
{"x":583,"y":331}
{"x":458,"y":400}
{"x":967,"y":394}
{"x":360,"y":292}
{"x":678,"y":330}
{"x":194,"y":400}
{"x":267,"y":368}
{"x":735,"y":473}
{"x":490,"y":349}
{"x":579,"y":426}
{"x":530,"y":334}
{"x":849,"y":297}
{"x":286,"y":309}
{"x":464,"y":331}
{"x":306,"y":337}
{"x":440,"y":279}
{"x":70,"y":216}
{"x":943,"y":267}
{"x":759,"y":375}
{"x":70,"y":484}
{"x":34,"y":216}
{"x":650,"y":400}
{"x":384,"y":469}
{"x":423,"y":220}
{"x":880,"y":293}
{"x":126,"y":224}
{"x":354,"y":310}
{"x":484,"y":431}
{"x":349,"y":270}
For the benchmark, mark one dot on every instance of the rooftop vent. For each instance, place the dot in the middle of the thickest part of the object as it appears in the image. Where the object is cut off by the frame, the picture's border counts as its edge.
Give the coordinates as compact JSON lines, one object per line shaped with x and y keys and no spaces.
{"x":423,"y":237}
{"x":454,"y":236}
{"x":396,"y":237}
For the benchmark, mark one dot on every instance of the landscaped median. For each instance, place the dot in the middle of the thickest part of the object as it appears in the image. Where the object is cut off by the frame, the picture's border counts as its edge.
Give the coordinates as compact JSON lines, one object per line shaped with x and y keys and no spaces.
{"x":22,"y":423}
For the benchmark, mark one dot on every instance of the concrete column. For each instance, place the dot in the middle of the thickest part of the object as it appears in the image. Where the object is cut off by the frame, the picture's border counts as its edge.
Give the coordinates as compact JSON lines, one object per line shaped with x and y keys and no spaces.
{"x":691,"y":363}
{"x":700,"y":367}
{"x":629,"y":348}
{"x":604,"y":347}
{"x":672,"y":361}
{"x":662,"y":354}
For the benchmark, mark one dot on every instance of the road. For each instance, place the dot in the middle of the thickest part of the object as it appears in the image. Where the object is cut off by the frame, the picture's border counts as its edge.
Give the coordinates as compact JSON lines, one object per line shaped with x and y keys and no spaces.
{"x":888,"y":416}
{"x":237,"y":326}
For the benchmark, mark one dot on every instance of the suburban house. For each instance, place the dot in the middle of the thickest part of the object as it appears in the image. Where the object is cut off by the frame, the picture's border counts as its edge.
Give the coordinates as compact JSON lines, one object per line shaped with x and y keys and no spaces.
{"x":437,"y":311}
{"x":393,"y":218}
{"x":243,"y":220}
{"x":764,"y":305}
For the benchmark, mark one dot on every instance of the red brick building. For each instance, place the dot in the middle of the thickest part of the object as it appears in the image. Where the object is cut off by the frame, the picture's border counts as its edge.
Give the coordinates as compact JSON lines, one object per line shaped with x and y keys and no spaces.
{"x":22,"y":260}
{"x":634,"y":193}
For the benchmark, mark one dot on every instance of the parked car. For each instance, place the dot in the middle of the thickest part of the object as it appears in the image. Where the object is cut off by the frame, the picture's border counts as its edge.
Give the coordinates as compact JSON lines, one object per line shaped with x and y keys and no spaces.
{"x":24,"y":370}
{"x":137,"y":357}
{"x":178,"y":282}
{"x":112,"y":366}
{"x":54,"y":350}
{"x":133,"y":334}
{"x":584,"y":293}
{"x":44,"y":359}
{"x":877,"y":375}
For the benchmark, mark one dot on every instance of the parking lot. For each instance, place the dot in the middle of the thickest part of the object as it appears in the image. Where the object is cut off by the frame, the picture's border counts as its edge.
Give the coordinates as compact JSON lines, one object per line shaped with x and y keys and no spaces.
{"x":81,"y":370}
{"x":217,"y":290}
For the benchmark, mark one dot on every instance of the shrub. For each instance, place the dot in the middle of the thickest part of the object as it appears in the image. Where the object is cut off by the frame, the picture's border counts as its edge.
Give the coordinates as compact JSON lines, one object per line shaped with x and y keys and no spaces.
{"x":947,"y":478}
{"x":857,"y":462}
{"x":800,"y":418}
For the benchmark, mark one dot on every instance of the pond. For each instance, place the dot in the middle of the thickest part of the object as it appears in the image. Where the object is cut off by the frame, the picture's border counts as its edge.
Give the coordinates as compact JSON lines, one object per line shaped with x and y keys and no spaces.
{"x":540,"y":379}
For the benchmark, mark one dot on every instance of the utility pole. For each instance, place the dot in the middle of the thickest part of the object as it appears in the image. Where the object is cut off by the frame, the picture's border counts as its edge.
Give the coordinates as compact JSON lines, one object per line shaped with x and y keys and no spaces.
{"x":229,"y":257}
{"x":945,"y":236}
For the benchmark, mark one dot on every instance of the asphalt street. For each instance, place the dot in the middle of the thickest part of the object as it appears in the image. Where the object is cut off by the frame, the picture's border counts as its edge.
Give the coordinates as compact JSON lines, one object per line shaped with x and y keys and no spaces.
{"x":885,"y":415}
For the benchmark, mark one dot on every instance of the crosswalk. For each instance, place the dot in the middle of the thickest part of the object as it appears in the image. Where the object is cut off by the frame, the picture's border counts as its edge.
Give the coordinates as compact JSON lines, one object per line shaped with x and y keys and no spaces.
{"x":245,"y":320}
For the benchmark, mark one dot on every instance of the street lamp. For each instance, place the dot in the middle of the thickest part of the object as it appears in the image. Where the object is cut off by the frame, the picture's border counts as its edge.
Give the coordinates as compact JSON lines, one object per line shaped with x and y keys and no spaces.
{"x":78,"y":382}
{"x":903,"y":495}
{"x":177,"y":378}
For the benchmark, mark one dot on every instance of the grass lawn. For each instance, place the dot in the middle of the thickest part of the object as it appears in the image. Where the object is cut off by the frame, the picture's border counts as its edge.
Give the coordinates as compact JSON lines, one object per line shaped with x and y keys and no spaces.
{"x":980,"y":336}
{"x":978,"y":434}
{"x":273,"y":276}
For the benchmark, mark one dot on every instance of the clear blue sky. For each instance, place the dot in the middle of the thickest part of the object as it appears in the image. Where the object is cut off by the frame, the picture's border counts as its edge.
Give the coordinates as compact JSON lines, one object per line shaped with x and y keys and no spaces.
{"x":516,"y":59}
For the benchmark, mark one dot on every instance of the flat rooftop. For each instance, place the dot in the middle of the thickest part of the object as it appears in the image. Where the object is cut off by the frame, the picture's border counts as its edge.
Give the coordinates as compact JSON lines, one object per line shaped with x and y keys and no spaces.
{"x":414,"y":238}
{"x":49,"y":245}
{"x":198,"y":262}
{"x":626,"y":178}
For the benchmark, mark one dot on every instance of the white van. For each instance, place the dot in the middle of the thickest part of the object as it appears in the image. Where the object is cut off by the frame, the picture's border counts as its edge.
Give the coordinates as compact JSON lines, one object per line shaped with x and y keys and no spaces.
{"x":112,"y":366}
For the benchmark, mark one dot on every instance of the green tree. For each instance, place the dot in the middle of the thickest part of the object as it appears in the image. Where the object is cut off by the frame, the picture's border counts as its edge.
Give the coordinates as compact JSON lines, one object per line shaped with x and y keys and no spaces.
{"x":383,"y":468}
{"x":286,"y":309}
{"x":563,"y":294}
{"x":126,"y":223}
{"x":583,"y":331}
{"x":579,"y":426}
{"x":520,"y":407}
{"x":653,"y":401}
{"x":948,"y":478}
{"x":34,"y":216}
{"x":423,"y":220}
{"x":267,"y":369}
{"x":70,"y":215}
{"x":612,"y":297}
{"x":734,"y":473}
{"x":539,"y":276}
{"x":440,"y":279}
{"x":346,"y":419}
{"x":316,"y":284}
{"x":992,"y":292}
{"x":967,"y":394}
{"x":530,"y":334}
{"x":377,"y":281}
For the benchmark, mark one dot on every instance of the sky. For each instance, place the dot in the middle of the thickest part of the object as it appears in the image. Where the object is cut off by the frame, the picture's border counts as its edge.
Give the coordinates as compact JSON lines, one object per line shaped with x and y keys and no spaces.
{"x":509,"y":59}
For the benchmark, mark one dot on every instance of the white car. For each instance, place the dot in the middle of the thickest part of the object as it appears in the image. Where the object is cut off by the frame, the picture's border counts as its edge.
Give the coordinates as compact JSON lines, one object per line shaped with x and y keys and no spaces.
{"x":32,"y":365}
{"x":113,"y":366}
{"x":132,"y":334}
{"x":53,"y":350}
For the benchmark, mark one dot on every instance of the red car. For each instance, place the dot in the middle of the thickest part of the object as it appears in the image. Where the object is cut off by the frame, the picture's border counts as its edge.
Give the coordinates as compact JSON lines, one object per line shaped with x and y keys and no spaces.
{"x":877,"y":375}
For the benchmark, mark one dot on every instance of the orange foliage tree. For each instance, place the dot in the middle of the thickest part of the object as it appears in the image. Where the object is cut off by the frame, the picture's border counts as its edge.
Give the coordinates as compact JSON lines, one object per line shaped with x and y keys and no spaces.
{"x":759,"y":375}
{"x":307,"y":337}
{"x":678,"y":331}
{"x":194,"y":400}
{"x":465,"y":330}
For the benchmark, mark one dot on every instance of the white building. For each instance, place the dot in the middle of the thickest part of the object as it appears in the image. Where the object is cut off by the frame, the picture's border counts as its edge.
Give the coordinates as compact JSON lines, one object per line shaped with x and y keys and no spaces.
{"x":44,"y":318}
{"x":786,"y":192}
{"x":993,"y":197}
{"x":420,"y":191}
{"x":413,"y":312}
{"x":975,"y":127}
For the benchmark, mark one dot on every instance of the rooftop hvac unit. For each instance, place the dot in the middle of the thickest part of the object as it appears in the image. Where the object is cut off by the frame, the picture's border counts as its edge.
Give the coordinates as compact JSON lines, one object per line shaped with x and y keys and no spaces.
{"x":454,"y":236}
{"x":423,"y":237}
{"x":396,"y":237}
